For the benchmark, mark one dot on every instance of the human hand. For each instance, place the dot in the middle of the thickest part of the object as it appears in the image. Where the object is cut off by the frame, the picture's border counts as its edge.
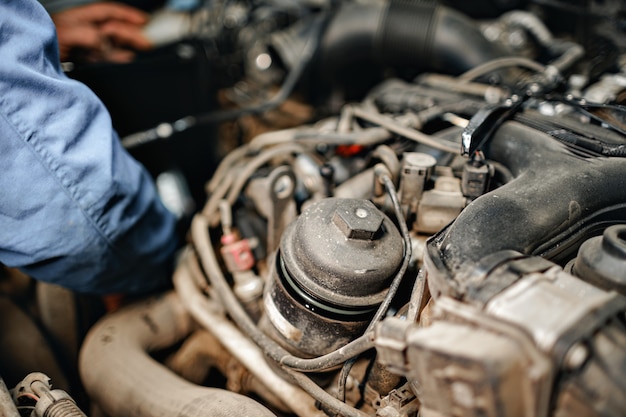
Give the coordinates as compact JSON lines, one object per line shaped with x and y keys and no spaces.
{"x":103,"y":31}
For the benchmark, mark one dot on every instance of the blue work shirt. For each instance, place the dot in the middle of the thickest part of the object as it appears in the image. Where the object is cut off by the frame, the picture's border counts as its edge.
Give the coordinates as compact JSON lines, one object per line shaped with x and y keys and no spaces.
{"x":75,"y":208}
{"x":54,"y":6}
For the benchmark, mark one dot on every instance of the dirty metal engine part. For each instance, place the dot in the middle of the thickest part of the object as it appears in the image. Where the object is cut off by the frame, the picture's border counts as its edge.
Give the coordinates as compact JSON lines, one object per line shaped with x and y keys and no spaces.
{"x":450,"y":243}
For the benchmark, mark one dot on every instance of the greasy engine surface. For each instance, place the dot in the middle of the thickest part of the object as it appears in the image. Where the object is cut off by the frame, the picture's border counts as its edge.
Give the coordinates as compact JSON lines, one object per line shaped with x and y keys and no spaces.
{"x":427,"y":217}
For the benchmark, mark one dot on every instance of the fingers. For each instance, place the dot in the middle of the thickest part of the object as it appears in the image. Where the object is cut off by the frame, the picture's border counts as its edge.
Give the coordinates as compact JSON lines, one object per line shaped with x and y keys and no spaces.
{"x":119,"y":56}
{"x":101,"y":31}
{"x":123,"y":34}
{"x":104,"y":11}
{"x":78,"y":37}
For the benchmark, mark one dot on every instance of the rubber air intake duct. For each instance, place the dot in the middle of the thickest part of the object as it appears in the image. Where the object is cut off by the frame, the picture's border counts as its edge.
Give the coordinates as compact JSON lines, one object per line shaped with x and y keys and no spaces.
{"x":556,"y":201}
{"x":419,"y":35}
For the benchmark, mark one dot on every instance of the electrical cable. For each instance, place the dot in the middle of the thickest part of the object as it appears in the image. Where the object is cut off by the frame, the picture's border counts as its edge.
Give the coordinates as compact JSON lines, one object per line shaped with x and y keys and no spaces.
{"x":574,"y":9}
{"x":28,"y":395}
{"x":166,"y":130}
{"x":384,"y":177}
{"x":580,"y":141}
{"x":501,"y":63}
{"x":583,"y":105}
{"x":323,"y":397}
{"x":409,"y":133}
{"x":26,"y":407}
{"x":233,"y":189}
{"x":397,"y":280}
{"x":365,"y":137}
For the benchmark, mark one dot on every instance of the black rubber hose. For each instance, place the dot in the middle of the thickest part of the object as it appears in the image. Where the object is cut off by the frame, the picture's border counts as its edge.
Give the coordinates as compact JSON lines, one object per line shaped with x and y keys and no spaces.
{"x":418,"y":34}
{"x":556,"y":201}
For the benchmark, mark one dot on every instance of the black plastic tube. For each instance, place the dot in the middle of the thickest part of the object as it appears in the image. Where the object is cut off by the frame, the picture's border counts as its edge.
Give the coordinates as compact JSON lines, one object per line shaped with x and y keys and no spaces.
{"x":403,"y":33}
{"x":556,"y":201}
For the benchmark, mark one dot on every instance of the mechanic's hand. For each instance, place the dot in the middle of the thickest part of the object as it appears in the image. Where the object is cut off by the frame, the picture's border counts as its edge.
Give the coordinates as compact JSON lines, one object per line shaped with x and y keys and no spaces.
{"x":104,"y":31}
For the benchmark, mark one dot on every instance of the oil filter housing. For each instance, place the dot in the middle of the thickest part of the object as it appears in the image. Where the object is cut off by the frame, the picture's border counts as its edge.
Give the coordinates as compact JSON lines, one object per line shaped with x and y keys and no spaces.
{"x":331,"y":272}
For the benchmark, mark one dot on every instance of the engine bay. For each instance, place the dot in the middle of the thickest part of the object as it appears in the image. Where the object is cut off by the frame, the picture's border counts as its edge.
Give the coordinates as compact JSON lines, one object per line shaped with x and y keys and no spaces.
{"x":418,"y":209}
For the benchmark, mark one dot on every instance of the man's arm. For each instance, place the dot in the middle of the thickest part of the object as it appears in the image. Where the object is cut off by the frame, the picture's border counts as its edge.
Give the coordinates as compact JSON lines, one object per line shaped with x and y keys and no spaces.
{"x":75,"y":208}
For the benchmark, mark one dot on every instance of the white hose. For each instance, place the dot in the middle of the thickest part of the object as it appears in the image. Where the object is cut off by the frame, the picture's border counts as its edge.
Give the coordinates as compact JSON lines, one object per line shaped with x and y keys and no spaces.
{"x":242,"y":348}
{"x":125,"y":381}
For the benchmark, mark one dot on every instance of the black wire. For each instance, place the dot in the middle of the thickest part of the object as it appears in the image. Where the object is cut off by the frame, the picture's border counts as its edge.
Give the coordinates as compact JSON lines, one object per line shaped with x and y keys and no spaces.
{"x":582,"y":144}
{"x":582,"y":106}
{"x":393,"y":288}
{"x":166,"y":130}
{"x":570,"y":8}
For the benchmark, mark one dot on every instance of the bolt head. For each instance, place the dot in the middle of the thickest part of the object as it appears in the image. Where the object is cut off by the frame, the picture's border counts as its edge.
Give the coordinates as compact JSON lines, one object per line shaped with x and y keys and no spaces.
{"x":360,"y":221}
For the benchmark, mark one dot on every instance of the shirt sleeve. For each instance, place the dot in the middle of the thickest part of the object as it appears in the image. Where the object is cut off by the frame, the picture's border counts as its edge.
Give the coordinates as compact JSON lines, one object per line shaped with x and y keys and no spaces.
{"x":53,"y":6}
{"x":75,"y":208}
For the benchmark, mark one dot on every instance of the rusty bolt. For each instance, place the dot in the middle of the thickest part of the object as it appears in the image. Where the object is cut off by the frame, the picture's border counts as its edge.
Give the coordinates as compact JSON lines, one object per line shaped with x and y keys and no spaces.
{"x":359,"y":220}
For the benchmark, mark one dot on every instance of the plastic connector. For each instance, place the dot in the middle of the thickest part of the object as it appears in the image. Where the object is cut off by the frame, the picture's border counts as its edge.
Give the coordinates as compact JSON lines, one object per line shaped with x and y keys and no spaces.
{"x":391,"y":344}
{"x":237,"y":253}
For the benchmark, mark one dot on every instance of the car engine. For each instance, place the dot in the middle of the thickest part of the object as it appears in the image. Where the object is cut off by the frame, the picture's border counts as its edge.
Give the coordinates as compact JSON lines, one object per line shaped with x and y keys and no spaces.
{"x":442,"y":234}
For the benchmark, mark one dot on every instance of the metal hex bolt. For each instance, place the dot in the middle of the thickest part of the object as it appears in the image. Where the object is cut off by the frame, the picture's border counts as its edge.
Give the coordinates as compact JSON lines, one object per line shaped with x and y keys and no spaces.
{"x":359,"y":220}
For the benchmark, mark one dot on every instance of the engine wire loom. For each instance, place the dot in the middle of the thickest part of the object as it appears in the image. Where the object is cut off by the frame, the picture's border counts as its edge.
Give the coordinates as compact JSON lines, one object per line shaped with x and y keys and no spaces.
{"x":446,"y":239}
{"x":465,"y":342}
{"x":358,"y":266}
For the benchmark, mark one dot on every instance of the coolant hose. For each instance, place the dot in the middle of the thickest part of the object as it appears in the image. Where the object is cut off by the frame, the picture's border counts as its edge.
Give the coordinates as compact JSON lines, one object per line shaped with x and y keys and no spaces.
{"x":125,"y":381}
{"x":556,"y":201}
{"x":417,"y":34}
